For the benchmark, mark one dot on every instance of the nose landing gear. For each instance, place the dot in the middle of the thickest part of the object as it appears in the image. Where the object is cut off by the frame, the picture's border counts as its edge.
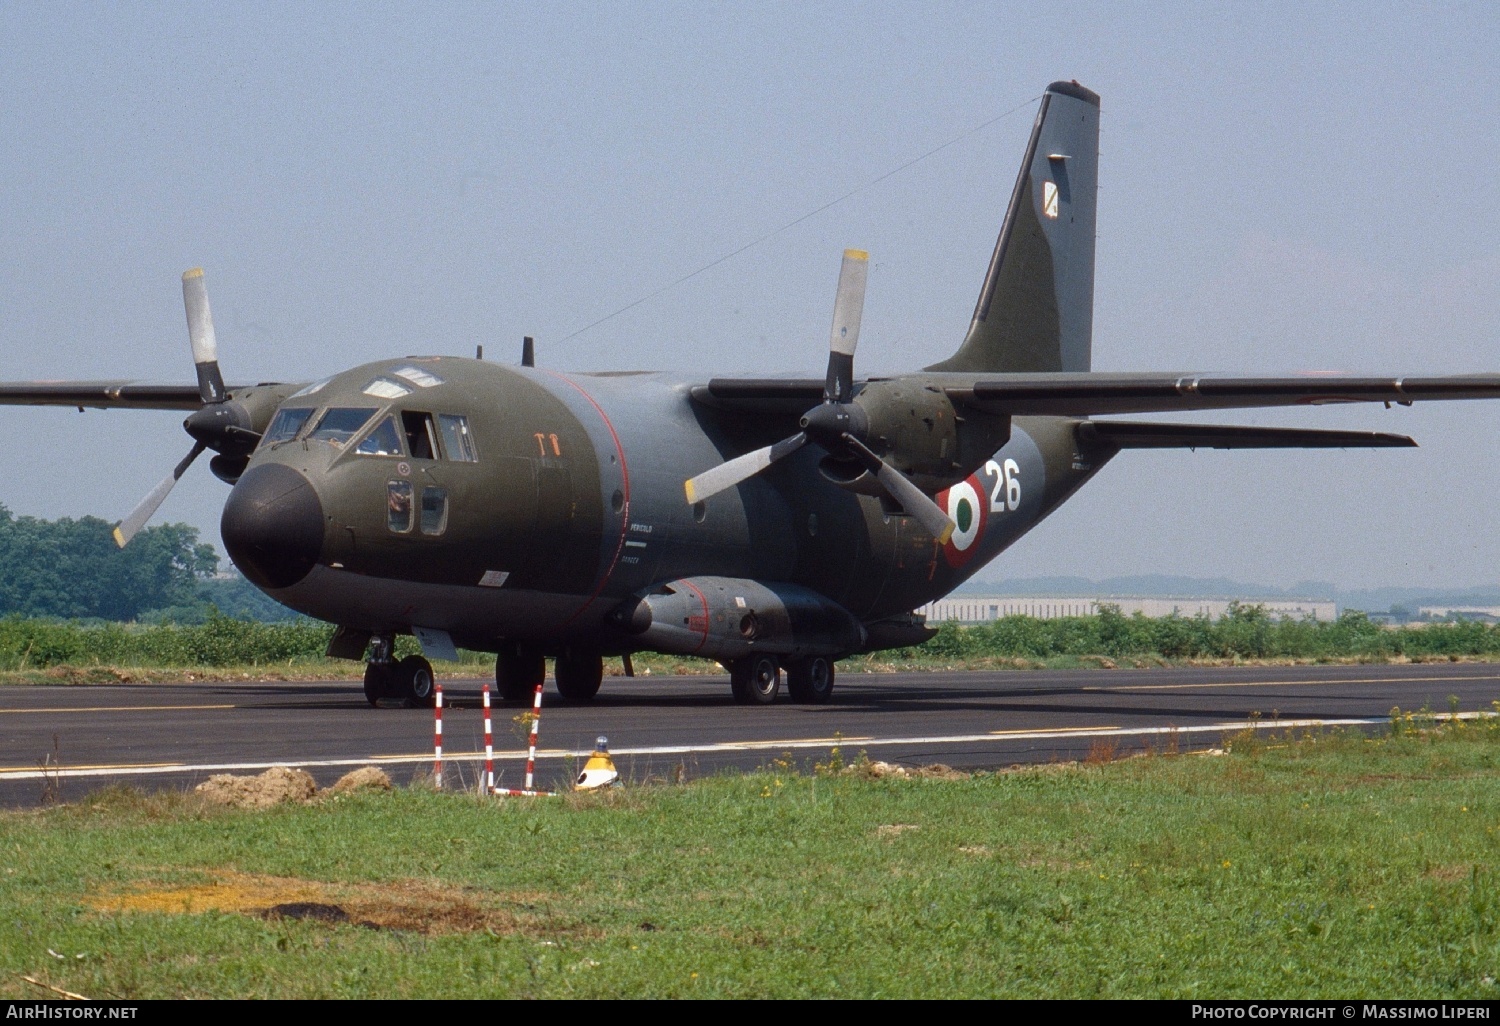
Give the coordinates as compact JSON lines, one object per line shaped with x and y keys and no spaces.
{"x":409,"y":681}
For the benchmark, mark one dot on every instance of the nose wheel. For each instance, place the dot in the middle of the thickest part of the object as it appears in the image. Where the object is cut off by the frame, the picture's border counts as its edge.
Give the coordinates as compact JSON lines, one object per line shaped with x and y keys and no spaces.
{"x":410,"y":682}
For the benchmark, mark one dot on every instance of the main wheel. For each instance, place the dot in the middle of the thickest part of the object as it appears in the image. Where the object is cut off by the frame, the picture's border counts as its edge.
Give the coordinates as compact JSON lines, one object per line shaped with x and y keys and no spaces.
{"x":517,"y":673}
{"x":415,"y":683}
{"x":810,"y":681}
{"x":755,"y":680}
{"x":377,"y":682}
{"x":578,"y":675}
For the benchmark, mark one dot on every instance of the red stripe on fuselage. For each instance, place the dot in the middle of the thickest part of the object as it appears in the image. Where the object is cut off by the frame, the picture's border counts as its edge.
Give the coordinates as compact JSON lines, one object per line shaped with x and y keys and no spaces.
{"x":624,"y":513}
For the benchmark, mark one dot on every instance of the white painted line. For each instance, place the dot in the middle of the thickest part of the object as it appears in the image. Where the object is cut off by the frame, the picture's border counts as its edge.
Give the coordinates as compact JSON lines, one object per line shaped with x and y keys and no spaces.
{"x":1283,"y":683}
{"x":19,"y":773}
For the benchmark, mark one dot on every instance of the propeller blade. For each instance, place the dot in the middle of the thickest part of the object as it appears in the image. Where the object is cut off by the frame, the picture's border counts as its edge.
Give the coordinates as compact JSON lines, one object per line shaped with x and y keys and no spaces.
{"x":132,"y":524}
{"x":727,"y":475}
{"x":898,"y":486}
{"x":848,"y":308}
{"x":200,"y":322}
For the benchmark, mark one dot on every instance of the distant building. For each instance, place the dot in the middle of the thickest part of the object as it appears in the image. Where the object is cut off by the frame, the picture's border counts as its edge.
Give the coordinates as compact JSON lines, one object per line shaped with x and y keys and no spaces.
{"x":985,"y":608}
{"x":1487,"y":613}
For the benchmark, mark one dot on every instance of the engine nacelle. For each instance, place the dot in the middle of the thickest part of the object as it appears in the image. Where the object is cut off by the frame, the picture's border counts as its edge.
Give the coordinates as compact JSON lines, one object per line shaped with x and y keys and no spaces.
{"x":915,"y":426}
{"x":725,"y":618}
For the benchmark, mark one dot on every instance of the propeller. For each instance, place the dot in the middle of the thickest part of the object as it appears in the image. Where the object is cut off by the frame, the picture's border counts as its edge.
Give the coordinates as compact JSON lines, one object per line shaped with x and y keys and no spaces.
{"x":838,"y":425}
{"x":220,"y":425}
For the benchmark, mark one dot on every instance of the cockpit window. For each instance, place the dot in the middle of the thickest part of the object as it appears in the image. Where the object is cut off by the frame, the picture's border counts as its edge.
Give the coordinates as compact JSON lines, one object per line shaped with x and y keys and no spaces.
{"x":383,"y":441}
{"x":285,"y":425}
{"x":458,"y":444}
{"x":418,"y":376}
{"x":385,"y":388}
{"x":340,"y":424}
{"x":420,"y":437}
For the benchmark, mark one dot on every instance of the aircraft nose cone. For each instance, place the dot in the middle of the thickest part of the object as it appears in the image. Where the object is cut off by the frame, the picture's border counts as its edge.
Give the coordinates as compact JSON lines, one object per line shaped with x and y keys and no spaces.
{"x":273,"y":525}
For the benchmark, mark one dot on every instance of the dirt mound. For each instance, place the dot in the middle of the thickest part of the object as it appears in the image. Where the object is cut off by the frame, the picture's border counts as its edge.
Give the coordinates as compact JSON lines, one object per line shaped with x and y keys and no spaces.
{"x":320,"y":911}
{"x":276,"y":785}
{"x":881,"y":770}
{"x":366,"y":778}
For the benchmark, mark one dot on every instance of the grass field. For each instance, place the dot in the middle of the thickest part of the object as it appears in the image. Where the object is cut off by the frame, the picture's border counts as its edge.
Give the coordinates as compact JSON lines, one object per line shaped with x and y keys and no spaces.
{"x":1328,"y":866}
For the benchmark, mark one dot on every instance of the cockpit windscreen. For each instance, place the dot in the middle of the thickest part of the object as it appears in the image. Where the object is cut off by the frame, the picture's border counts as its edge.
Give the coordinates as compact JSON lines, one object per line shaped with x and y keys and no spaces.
{"x":340,"y":424}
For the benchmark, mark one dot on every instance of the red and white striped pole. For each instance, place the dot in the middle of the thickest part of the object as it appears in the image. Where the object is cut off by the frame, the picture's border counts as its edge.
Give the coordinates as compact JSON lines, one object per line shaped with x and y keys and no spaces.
{"x":536,"y":722}
{"x":437,"y":738}
{"x":489,"y":746}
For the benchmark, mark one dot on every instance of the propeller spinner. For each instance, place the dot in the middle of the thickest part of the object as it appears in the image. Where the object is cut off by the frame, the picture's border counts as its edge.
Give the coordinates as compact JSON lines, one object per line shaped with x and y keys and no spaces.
{"x":838,"y":425}
{"x":220,"y":425}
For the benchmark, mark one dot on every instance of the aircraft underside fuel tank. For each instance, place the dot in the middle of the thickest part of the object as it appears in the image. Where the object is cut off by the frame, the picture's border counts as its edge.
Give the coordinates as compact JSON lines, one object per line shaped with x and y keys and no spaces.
{"x":725,"y":618}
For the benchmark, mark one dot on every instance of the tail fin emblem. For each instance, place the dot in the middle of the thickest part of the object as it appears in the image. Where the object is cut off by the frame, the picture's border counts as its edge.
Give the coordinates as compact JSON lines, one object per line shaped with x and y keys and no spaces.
{"x":1049,"y":199}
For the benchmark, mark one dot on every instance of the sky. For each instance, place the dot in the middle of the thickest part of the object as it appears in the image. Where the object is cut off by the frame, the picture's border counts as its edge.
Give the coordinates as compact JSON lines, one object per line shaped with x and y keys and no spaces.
{"x":1283,"y":187}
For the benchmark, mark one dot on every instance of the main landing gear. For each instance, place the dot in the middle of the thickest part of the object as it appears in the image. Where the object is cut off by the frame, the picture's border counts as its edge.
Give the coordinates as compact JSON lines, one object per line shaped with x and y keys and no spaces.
{"x":518,"y":670}
{"x":409,"y":681}
{"x":578,"y":675}
{"x":756,"y":679}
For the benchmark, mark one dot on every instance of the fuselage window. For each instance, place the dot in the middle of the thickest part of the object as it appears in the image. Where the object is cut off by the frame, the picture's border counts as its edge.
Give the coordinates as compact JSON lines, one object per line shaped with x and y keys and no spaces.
{"x":418,"y":376}
{"x":383,"y":441}
{"x":421,"y":439}
{"x":434,"y":510}
{"x":340,"y":424}
{"x":458,"y":444}
{"x":385,"y":388}
{"x":285,"y":425}
{"x":398,"y":506}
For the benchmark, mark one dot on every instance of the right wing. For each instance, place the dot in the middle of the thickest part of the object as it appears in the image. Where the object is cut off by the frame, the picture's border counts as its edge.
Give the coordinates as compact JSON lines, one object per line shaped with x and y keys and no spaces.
{"x":130,"y":395}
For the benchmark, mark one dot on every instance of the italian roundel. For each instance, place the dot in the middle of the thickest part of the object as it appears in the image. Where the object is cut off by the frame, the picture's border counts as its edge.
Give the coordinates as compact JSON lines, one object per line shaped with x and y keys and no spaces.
{"x":968,"y":512}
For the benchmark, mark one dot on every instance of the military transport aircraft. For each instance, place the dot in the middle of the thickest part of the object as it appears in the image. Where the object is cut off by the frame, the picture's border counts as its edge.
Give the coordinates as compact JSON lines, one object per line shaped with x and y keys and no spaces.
{"x":771,"y":524}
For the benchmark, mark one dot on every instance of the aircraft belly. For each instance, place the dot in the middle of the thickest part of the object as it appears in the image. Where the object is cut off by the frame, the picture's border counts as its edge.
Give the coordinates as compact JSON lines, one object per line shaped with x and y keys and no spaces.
{"x":474,"y":616}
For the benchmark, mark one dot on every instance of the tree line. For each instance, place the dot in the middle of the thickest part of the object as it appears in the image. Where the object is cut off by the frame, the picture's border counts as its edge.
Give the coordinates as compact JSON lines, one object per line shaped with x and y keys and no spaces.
{"x":73,"y":570}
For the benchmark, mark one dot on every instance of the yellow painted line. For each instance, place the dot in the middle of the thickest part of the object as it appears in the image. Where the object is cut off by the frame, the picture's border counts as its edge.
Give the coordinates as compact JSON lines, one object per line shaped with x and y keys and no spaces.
{"x":1284,"y":683}
{"x":70,"y":768}
{"x":118,"y":708}
{"x":1057,"y":730}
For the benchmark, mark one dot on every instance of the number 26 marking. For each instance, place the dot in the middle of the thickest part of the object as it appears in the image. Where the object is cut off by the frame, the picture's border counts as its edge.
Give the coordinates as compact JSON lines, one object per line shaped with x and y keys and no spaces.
{"x":1005,"y":494}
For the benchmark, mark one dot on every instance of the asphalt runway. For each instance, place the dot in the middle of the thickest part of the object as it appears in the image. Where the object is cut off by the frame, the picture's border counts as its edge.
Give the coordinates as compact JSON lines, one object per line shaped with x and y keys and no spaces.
{"x":64,"y":741}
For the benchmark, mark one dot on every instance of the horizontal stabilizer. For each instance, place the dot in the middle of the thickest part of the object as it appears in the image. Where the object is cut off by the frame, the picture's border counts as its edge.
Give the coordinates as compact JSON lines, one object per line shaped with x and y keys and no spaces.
{"x":1144,"y":435}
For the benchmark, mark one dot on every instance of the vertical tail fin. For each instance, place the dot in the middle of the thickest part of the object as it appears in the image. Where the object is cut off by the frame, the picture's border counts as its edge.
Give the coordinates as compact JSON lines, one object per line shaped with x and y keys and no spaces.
{"x":1036,"y":309}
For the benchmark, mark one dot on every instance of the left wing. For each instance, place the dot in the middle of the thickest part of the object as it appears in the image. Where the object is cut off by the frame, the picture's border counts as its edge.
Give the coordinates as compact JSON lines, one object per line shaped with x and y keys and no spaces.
{"x":1086,"y":393}
{"x":1089,"y":393}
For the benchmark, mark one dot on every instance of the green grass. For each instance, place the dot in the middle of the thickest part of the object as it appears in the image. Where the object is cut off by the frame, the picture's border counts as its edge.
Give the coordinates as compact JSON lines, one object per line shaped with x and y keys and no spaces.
{"x":40,"y":651}
{"x":1324,"y":866}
